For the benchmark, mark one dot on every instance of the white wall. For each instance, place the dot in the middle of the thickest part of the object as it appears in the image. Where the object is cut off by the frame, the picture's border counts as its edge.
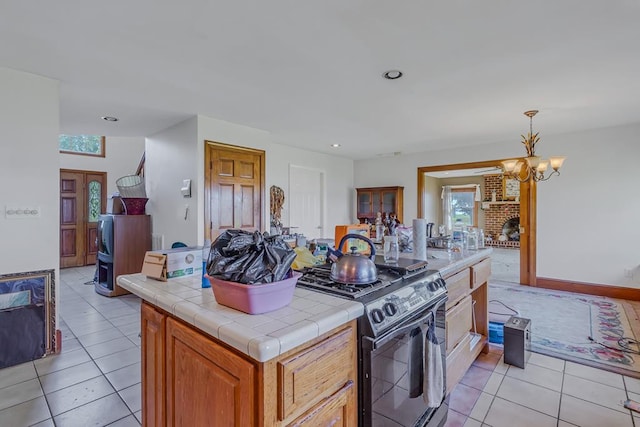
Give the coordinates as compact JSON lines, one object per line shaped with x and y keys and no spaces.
{"x":432,"y":209}
{"x":122,"y":158}
{"x":29,"y":172}
{"x":589,"y":215}
{"x":178,"y":153}
{"x":586,"y":216}
{"x":171,"y":157}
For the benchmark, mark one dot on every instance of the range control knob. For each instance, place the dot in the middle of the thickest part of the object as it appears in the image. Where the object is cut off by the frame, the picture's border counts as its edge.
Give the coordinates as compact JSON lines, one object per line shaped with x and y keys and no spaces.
{"x":390,"y":309}
{"x":377,"y":315}
{"x":433,"y":286}
{"x":441,"y":282}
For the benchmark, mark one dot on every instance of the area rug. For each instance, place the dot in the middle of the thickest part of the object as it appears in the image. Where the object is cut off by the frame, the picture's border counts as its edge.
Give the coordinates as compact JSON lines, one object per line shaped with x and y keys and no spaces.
{"x":562,"y":322}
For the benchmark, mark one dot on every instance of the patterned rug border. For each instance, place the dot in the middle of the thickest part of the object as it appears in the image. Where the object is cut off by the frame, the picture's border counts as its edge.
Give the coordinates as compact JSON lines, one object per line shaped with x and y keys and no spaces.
{"x":611,"y":313}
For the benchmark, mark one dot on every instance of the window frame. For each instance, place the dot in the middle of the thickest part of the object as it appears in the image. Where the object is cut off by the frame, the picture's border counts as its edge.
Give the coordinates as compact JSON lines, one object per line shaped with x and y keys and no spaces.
{"x":471,"y":190}
{"x":103,"y":148}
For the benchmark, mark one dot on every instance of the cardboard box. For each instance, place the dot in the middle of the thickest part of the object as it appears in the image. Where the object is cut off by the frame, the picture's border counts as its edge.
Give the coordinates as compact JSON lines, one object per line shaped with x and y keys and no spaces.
{"x":361,"y":246}
{"x":173,"y":263}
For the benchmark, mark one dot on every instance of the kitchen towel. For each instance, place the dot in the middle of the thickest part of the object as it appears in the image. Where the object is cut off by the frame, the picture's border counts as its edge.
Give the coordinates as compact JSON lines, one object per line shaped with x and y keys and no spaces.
{"x":420,"y":239}
{"x":433,"y":386}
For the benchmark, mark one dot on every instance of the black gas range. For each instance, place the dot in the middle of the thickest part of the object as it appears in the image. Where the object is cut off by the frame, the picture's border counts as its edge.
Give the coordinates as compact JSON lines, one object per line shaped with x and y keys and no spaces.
{"x":405,"y":301}
{"x":400,"y":291}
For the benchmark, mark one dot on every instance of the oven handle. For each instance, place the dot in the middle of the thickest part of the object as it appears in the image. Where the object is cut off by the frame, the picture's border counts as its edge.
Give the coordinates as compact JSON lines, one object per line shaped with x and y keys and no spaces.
{"x":375,"y":343}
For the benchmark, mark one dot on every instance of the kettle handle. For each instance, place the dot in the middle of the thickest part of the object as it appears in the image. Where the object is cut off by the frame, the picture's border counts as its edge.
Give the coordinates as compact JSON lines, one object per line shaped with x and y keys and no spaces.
{"x":361,"y":237}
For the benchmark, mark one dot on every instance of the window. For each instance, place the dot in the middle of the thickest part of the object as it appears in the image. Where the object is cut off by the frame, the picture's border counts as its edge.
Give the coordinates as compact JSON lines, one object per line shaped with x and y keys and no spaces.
{"x":88,"y":145}
{"x":464,"y":207}
{"x":95,"y":196}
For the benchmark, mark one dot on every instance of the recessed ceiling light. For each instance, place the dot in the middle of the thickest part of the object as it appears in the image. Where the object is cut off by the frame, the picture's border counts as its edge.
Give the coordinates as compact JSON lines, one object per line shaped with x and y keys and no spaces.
{"x":335,"y":145}
{"x":392,"y":74}
{"x":109,"y":118}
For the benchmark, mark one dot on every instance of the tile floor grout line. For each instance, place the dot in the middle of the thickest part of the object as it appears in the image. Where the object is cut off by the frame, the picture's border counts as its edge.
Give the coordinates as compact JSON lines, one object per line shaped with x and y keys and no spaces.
{"x":103,"y":374}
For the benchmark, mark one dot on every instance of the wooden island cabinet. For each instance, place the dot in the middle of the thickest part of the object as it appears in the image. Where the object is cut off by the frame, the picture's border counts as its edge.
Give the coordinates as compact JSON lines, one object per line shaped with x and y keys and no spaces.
{"x":192,"y":379}
{"x":467,"y":321}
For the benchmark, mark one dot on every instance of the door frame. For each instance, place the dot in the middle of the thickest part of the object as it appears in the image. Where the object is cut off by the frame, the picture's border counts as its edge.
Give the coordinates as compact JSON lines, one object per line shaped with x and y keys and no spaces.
{"x":208,"y":167}
{"x":528,"y":208}
{"x":85,"y":191}
{"x":323,"y":194}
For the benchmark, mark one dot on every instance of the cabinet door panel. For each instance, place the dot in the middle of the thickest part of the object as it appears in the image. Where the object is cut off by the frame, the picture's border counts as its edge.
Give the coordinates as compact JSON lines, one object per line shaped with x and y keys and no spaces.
{"x":458,"y":361}
{"x":204,"y":378}
{"x":153,"y":336}
{"x":376,"y":206}
{"x":337,"y":410}
{"x":458,"y":320}
{"x":389,"y":202}
{"x":364,"y":203}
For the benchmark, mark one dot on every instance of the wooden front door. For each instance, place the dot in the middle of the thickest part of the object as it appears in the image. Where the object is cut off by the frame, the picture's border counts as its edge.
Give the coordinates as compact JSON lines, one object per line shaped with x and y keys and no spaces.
{"x":82,"y":199}
{"x":234,"y":189}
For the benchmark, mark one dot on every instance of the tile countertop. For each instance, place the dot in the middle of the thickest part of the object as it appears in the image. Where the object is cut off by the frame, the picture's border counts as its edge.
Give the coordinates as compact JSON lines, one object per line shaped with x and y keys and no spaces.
{"x":439,"y":259}
{"x":265,"y":336}
{"x":262,"y":336}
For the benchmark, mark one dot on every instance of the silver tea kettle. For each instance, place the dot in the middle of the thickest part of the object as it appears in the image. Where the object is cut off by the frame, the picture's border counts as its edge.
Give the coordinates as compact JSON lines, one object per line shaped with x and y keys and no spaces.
{"x":354,"y":268}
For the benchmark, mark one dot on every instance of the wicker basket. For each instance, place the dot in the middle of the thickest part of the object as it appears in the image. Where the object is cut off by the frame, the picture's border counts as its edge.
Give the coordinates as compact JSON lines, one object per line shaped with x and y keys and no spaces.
{"x":131,"y":186}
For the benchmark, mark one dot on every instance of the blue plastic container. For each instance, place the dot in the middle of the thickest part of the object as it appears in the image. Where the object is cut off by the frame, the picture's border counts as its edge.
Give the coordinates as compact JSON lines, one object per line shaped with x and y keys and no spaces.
{"x":496,"y":333}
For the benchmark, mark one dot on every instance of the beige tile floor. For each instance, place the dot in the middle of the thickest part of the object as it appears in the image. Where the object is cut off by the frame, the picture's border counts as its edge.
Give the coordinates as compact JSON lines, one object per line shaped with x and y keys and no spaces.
{"x":95,"y":381}
{"x":548,"y":392}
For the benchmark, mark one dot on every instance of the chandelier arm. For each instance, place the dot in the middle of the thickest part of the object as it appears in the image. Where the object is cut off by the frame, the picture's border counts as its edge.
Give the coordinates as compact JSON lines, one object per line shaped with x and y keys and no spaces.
{"x":517,"y":177}
{"x":547,"y":178}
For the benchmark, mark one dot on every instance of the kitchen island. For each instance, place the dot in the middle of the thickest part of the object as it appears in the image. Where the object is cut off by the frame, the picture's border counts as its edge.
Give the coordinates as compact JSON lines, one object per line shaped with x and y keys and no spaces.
{"x":207,"y":364}
{"x":467,"y":275}
{"x":293,"y":366}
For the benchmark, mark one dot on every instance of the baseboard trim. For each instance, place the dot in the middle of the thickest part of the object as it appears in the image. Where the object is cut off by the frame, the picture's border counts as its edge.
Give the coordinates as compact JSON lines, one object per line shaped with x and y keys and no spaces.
{"x":618,"y":292}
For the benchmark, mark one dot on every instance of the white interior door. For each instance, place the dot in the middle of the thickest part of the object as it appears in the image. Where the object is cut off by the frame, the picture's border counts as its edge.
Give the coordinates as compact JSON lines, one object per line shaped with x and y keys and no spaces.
{"x":306,"y":201}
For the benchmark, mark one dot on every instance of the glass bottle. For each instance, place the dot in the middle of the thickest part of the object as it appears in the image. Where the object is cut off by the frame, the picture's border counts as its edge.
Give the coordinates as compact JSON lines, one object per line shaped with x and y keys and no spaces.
{"x":391,"y":249}
{"x":472,"y":239}
{"x":480,"y":238}
{"x":206,"y":249}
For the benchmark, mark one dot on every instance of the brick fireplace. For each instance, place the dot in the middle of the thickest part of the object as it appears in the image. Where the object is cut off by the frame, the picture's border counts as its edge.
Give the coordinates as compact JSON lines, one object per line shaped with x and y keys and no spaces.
{"x":496,"y":214}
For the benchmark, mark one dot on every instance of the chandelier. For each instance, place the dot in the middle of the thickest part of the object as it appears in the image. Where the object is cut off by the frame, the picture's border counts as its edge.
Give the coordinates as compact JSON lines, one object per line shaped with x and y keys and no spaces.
{"x":535,"y":166}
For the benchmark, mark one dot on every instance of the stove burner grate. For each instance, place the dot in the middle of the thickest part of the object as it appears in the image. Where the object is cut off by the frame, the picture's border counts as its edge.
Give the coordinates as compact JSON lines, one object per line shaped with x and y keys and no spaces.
{"x":319,"y":278}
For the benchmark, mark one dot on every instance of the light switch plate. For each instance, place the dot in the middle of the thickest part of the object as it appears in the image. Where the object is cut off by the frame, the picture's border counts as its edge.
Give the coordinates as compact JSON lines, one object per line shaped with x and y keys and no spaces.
{"x":21,"y":212}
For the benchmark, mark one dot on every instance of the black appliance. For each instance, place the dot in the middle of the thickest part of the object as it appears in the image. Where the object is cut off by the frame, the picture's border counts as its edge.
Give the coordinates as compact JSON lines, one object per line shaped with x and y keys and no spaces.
{"x":403,"y":303}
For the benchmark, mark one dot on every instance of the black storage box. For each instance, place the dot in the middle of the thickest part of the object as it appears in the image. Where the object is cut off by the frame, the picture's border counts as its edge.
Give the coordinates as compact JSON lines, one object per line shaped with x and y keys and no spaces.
{"x":22,"y":335}
{"x":517,"y":341}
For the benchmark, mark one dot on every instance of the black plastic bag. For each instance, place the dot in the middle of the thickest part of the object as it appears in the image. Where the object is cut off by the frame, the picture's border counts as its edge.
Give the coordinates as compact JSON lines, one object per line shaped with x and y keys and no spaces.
{"x":249,"y":258}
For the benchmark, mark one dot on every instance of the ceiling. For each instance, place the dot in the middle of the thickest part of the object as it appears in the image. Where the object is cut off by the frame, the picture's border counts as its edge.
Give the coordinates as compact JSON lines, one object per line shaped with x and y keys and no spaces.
{"x":310,"y":73}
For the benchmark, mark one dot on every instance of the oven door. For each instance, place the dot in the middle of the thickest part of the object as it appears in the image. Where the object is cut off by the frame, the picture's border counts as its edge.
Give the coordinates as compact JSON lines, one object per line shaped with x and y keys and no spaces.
{"x":393,"y":372}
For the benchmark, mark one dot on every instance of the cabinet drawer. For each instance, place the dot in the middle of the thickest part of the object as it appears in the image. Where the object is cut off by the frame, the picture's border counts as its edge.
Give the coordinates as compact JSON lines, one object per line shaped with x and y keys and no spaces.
{"x":316,"y":372}
{"x":458,"y":362}
{"x":480,"y":273}
{"x":458,"y":287}
{"x":458,"y":321}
